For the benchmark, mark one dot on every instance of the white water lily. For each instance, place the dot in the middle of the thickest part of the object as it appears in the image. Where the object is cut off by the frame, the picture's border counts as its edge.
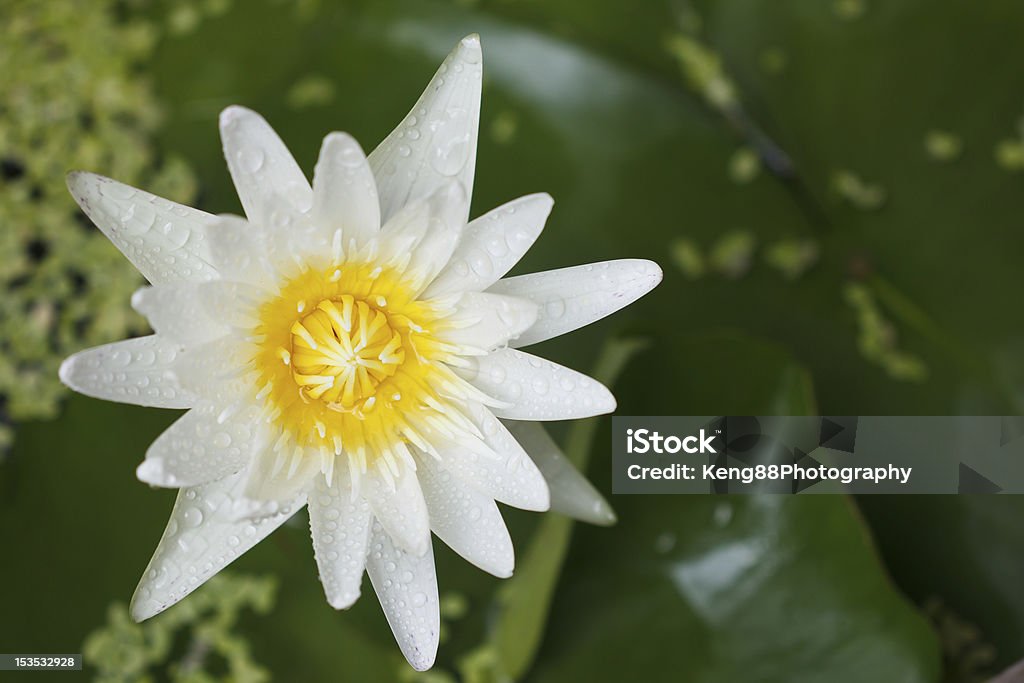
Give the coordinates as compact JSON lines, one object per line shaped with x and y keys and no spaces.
{"x":351,"y":346}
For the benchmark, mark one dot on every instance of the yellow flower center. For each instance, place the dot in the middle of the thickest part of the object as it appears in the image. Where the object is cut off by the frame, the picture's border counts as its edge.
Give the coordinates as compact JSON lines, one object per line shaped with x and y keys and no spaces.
{"x":347,"y":361}
{"x":343,"y":350}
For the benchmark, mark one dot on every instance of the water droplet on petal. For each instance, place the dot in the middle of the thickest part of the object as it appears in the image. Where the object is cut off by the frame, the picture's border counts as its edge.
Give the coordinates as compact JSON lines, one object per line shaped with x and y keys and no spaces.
{"x":193,"y":517}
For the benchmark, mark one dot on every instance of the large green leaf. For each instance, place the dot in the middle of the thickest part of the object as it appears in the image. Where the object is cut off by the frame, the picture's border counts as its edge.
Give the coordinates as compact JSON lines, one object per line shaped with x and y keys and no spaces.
{"x":962,"y":557}
{"x":721,"y":589}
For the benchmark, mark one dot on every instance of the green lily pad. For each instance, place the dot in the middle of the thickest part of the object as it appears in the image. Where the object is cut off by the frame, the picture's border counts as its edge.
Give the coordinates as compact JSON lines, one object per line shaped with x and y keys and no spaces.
{"x":721,"y":589}
{"x":960,"y":558}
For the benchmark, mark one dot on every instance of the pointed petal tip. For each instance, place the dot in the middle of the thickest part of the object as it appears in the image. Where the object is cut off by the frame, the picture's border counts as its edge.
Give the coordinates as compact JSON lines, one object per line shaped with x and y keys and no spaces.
{"x":233,"y":112}
{"x":653,"y":271}
{"x":341,"y":138}
{"x":543,"y":502}
{"x":468,"y":50}
{"x":140,"y":610}
{"x":606,"y":403}
{"x":421,"y":661}
{"x":149,"y":472}
{"x":67,"y":370}
{"x":542,"y":200}
{"x":604,"y":515}
{"x":647,"y":274}
{"x":470,"y":43}
{"x":138,"y":300}
{"x":73,"y":178}
{"x":82,"y":184}
{"x":344,"y":600}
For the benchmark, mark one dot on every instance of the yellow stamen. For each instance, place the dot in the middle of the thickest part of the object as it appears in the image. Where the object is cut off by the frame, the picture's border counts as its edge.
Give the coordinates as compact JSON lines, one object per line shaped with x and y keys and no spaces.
{"x":339,"y":371}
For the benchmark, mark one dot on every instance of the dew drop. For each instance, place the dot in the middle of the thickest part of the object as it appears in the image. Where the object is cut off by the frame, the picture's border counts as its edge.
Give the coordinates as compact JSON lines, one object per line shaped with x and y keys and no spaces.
{"x":451,"y":149}
{"x":250,"y":159}
{"x":193,"y":517}
{"x":555,"y":308}
{"x":498,"y":374}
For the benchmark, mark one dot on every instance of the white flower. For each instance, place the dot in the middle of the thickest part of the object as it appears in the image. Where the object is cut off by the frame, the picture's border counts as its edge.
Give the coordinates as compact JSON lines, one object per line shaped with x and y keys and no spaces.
{"x":350,"y":346}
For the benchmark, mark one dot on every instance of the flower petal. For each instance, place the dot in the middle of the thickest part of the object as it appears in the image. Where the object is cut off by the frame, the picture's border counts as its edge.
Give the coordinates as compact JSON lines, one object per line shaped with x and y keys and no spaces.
{"x":437,"y":140}
{"x":261,"y":166}
{"x":570,"y":298}
{"x":510,"y":476}
{"x":340,"y":526}
{"x":406,"y":585}
{"x":423,"y":235}
{"x":202,"y":537}
{"x":535,"y":388}
{"x":344,"y":191}
{"x":197,"y":312}
{"x":215,"y":370}
{"x":199,"y":448}
{"x":280,"y":474}
{"x":468,"y":521}
{"x":137,"y":371}
{"x":571,"y":493}
{"x":445,"y":226}
{"x":399,"y":506}
{"x":163,"y":240}
{"x":492,"y":244}
{"x":241,"y":252}
{"x":485,"y":321}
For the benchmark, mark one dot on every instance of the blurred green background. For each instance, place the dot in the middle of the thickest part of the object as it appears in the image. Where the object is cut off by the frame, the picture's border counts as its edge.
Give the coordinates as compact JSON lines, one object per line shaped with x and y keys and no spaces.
{"x":833,"y":188}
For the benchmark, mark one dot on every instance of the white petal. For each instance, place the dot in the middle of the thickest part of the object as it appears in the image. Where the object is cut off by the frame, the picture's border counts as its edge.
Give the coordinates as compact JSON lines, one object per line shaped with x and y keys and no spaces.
{"x":164,"y":240}
{"x":468,"y":521}
{"x":202,"y":537}
{"x":136,"y":371}
{"x":241,"y":253}
{"x":280,"y":475}
{"x":261,"y":166}
{"x":215,"y":370}
{"x":344,"y":191}
{"x":406,"y":585}
{"x":571,"y":493}
{"x":492,"y":244}
{"x":175,"y":312}
{"x":510,"y":476}
{"x":293,"y":240}
{"x":424,"y":234}
{"x":198,"y":448}
{"x":437,"y":140}
{"x":399,"y":507}
{"x":485,"y":321}
{"x":570,"y":298}
{"x":535,"y":388}
{"x":197,"y":312}
{"x":340,"y":526}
